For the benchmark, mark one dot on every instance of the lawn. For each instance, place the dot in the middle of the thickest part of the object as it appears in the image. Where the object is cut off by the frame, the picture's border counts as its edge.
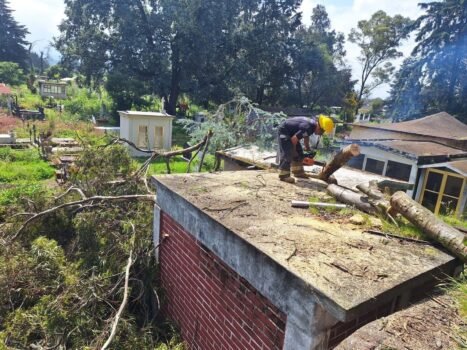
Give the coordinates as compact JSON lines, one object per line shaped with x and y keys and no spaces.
{"x":23,"y":165}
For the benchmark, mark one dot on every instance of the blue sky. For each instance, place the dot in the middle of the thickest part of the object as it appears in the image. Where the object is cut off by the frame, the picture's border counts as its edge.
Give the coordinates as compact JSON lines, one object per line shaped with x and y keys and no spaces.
{"x":42,"y":17}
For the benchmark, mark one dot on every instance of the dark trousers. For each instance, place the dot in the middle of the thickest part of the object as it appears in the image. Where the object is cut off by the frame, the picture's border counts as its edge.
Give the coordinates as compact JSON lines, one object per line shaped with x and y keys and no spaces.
{"x":289,"y":156}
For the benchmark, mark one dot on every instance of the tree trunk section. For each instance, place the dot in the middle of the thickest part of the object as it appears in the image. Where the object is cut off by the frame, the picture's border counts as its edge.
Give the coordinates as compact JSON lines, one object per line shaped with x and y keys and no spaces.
{"x":350,"y":197}
{"x":450,"y":238}
{"x":339,"y":160}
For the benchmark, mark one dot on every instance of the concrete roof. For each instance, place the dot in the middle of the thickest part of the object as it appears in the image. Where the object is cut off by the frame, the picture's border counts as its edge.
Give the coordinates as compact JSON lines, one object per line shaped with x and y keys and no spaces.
{"x":347,"y":269}
{"x":440,"y":124}
{"x":145,"y":114}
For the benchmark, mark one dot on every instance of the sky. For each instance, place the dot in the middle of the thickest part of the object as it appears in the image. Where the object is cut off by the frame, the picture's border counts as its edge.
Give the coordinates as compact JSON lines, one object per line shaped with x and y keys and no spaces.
{"x":42,"y":18}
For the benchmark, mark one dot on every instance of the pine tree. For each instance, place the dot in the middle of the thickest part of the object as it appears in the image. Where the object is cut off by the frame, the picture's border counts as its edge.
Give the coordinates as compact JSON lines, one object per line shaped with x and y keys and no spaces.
{"x":12,"y":37}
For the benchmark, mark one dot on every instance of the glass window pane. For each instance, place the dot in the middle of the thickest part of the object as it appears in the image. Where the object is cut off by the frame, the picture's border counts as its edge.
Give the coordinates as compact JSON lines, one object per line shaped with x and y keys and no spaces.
{"x":448,"y":206}
{"x":356,"y":162}
{"x":453,"y":186}
{"x":374,"y":166}
{"x":398,"y":170}
{"x":429,"y":200}
{"x":433,"y":181}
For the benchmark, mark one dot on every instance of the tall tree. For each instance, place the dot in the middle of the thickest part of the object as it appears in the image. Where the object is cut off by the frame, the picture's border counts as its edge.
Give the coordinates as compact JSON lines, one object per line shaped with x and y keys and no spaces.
{"x":317,"y":75}
{"x":12,"y":37}
{"x":379,"y":39}
{"x":438,"y":66}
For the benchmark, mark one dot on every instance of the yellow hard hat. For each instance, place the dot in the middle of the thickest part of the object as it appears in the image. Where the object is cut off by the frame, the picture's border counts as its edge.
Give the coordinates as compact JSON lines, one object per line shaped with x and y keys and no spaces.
{"x":326,"y":123}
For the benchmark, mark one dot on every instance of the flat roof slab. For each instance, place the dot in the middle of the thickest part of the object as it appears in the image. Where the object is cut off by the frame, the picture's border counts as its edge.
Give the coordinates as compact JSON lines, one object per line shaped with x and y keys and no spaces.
{"x":338,"y":261}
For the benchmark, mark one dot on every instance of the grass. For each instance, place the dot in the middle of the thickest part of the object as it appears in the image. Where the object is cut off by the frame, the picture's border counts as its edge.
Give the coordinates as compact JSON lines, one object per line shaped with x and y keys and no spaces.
{"x":23,"y":165}
{"x":177,"y":165}
{"x":454,"y":221}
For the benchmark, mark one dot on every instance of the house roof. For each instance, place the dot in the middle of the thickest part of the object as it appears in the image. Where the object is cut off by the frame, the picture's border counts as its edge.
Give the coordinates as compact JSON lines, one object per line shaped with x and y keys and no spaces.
{"x":416,"y":148}
{"x":52,"y":82}
{"x":333,"y":258}
{"x":145,"y":114}
{"x":437,"y":125}
{"x":4,"y":89}
{"x":459,"y":166}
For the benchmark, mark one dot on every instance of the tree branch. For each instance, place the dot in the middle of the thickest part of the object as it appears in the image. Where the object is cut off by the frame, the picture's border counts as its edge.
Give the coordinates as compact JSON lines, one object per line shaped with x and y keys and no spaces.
{"x":123,"y":304}
{"x":143,"y":197}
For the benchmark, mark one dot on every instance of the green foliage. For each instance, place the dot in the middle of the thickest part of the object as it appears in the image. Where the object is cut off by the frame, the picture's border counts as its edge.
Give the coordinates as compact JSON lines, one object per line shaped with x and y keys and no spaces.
{"x":404,"y":229}
{"x":16,"y":165}
{"x":62,"y":278}
{"x":378,"y":38}
{"x":235,"y":123}
{"x":84,"y":103}
{"x":12,"y":37}
{"x":11,"y":73}
{"x":433,"y":78}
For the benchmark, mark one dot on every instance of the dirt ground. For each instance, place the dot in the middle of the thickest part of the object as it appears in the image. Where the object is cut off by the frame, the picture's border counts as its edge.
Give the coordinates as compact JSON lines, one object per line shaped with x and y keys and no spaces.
{"x":433,"y":323}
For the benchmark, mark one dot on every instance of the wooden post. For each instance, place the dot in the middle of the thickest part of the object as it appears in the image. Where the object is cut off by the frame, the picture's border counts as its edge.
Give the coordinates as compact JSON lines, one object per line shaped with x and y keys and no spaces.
{"x":450,"y":238}
{"x":339,"y":160}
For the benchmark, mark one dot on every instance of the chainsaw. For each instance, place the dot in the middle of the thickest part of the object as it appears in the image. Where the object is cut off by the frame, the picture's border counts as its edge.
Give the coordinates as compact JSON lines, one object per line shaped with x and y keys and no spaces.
{"x":308,"y":158}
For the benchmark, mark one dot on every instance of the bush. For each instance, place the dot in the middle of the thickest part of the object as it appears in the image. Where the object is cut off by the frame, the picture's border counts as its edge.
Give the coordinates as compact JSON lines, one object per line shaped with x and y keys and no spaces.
{"x":11,"y":73}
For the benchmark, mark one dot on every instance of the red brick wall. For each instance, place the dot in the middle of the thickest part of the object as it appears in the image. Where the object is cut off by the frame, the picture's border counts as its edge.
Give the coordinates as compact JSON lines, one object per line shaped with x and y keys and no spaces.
{"x":213,"y":306}
{"x":343,"y":329}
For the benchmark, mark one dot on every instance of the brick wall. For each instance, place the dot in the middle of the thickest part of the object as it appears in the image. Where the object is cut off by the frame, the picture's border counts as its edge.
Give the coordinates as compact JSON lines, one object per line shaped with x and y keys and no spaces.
{"x":343,"y":329}
{"x":213,"y":306}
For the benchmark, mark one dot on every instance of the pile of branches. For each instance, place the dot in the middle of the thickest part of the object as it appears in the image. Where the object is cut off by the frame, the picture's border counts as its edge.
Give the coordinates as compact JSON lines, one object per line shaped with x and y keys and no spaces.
{"x":77,"y":268}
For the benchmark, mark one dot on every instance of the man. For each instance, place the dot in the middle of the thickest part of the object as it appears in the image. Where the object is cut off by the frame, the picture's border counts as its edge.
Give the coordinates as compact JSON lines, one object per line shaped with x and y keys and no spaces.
{"x":291,"y":131}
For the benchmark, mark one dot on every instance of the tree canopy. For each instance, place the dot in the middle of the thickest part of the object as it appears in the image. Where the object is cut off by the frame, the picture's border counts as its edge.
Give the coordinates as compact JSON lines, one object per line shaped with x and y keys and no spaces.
{"x":379,"y":39}
{"x":210,"y":50}
{"x":434,"y":78}
{"x":12,"y":37}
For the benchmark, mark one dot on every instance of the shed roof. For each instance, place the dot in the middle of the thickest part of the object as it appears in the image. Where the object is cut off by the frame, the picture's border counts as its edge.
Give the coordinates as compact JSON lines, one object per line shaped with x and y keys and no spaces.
{"x":459,"y":166}
{"x":145,"y":114}
{"x":4,"y":89}
{"x":264,"y":159}
{"x":347,"y":269}
{"x":437,"y":125}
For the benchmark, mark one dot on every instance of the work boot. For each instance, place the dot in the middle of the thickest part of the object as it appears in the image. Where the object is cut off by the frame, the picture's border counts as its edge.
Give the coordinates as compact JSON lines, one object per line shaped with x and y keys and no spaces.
{"x":289,"y":179}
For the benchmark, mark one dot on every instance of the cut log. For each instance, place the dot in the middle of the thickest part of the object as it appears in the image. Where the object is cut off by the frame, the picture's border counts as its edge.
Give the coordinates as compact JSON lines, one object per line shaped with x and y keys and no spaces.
{"x":450,"y":238}
{"x":339,"y":160}
{"x":375,"y":197}
{"x":350,"y":197}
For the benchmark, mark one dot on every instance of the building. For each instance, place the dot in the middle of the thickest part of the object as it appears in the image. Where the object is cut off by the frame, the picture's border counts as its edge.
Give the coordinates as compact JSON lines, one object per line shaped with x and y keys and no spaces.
{"x":53,"y":89}
{"x":430,"y":153}
{"x":147,"y":130}
{"x":242,"y":269}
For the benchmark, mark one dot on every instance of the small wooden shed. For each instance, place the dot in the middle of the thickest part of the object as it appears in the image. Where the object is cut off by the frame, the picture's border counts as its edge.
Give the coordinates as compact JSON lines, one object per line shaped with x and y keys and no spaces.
{"x":147,"y":130}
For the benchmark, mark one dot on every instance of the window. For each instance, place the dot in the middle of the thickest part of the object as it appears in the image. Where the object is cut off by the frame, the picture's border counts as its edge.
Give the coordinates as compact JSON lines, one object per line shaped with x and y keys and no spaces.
{"x":356,"y":162}
{"x":442,"y":192}
{"x":374,"y":166}
{"x":142,"y":136}
{"x":398,"y":170}
{"x":158,"y":137}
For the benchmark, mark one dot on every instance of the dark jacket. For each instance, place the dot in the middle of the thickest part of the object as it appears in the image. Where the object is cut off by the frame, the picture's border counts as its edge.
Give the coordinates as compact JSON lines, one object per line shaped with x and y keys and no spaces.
{"x":298,"y":126}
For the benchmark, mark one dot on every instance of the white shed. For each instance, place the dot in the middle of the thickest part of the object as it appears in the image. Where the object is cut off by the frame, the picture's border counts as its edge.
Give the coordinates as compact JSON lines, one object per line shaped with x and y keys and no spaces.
{"x":147,"y":130}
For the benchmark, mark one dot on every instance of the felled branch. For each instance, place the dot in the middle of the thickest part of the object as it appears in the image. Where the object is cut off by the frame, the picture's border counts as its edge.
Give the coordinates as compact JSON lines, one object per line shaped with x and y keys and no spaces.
{"x":122,"y":306}
{"x":451,"y":239}
{"x":347,"y":196}
{"x":143,"y":197}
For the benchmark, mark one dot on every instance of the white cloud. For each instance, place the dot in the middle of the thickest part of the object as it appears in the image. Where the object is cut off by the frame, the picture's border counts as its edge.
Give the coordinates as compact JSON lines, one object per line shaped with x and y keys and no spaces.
{"x":41,"y":17}
{"x":344,"y":18}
